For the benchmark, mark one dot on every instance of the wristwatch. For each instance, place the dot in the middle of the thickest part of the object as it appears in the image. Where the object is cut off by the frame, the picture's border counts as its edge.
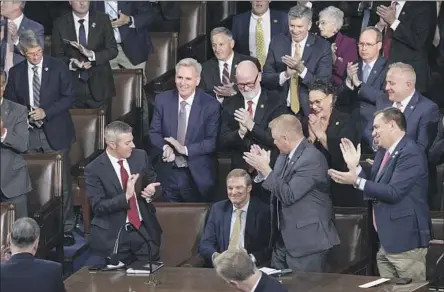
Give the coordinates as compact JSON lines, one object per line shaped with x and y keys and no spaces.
{"x":357,"y":182}
{"x":130,"y":21}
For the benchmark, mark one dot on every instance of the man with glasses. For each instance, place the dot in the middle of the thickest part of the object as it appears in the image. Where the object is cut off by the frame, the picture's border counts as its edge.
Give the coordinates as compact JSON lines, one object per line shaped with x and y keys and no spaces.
{"x":217,"y":77}
{"x":245,"y":118}
{"x":365,"y":80}
{"x":44,"y":85}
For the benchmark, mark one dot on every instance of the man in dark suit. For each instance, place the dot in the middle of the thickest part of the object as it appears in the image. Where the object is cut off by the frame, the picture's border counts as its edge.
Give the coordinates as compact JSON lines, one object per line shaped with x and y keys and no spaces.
{"x":409,"y":27}
{"x":23,"y":272}
{"x":241,"y":222}
{"x":44,"y":85}
{"x":15,"y":181}
{"x":85,"y":42}
{"x":294,"y":61}
{"x":397,"y":186}
{"x":263,"y":24}
{"x":422,"y":115}
{"x":436,"y":153}
{"x":302,"y":209}
{"x":184,"y":128}
{"x":218,"y":75}
{"x":365,"y":80}
{"x":116,"y":200}
{"x":11,"y":27}
{"x":237,"y":269}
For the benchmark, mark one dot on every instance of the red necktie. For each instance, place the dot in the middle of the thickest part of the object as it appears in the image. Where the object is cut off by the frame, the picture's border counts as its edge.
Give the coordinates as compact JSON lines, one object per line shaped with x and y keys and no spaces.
{"x":250,"y":107}
{"x":388,"y":36}
{"x":133,"y":214}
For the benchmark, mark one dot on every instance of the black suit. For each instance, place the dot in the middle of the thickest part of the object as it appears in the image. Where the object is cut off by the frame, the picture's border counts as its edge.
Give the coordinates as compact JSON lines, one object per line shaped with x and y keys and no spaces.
{"x":211,"y":75}
{"x":109,"y":207}
{"x":413,"y":38}
{"x":268,"y":284}
{"x":24,"y":273}
{"x":100,"y":84}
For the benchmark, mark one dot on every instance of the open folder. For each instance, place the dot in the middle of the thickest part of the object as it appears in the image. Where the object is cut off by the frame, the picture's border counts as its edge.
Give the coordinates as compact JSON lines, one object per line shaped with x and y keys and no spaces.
{"x":143,"y":269}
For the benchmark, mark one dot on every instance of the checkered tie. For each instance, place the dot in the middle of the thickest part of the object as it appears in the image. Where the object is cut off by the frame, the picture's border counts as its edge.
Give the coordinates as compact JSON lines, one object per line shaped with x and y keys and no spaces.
{"x":260,"y":42}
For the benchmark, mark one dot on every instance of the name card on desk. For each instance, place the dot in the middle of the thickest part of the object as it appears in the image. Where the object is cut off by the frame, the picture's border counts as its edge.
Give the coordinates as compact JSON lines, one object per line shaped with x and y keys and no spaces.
{"x":374,"y":283}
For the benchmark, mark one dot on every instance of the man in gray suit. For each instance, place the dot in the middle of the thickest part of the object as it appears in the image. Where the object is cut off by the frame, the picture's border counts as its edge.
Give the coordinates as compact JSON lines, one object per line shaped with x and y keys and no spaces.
{"x":12,"y":24}
{"x":299,"y":187}
{"x":15,"y":181}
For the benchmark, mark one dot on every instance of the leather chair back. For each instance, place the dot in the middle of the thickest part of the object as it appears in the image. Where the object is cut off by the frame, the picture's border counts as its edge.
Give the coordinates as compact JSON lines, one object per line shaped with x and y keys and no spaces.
{"x":47,"y":45}
{"x":440,"y":185}
{"x":223,"y":170}
{"x":192,"y":21}
{"x":89,"y":125}
{"x":7,"y":218}
{"x":129,"y":93}
{"x":182,"y":225}
{"x":164,"y":57}
{"x":436,"y":248}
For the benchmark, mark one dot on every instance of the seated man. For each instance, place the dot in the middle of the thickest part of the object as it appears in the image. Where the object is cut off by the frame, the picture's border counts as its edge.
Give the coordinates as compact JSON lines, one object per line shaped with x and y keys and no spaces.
{"x":23,"y":272}
{"x":15,"y":181}
{"x":241,"y":222}
{"x":117,"y":204}
{"x":237,"y":269}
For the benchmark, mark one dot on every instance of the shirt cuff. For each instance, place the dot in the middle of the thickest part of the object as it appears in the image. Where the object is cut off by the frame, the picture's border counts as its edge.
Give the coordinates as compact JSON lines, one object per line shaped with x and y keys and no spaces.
{"x":349,"y":84}
{"x":220,"y":99}
{"x":302,"y":75}
{"x":395,"y":24}
{"x":282,"y":78}
{"x":132,"y":23}
{"x":308,"y":4}
{"x":260,"y":177}
{"x":358,"y":170}
{"x":71,"y":67}
{"x":361,"y":185}
{"x":93,"y":58}
{"x":3,"y":137}
{"x":186,"y":150}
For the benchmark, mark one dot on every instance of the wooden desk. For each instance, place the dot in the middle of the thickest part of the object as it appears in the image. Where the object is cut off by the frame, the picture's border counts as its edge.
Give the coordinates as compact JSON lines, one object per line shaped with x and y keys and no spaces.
{"x":205,"y":280}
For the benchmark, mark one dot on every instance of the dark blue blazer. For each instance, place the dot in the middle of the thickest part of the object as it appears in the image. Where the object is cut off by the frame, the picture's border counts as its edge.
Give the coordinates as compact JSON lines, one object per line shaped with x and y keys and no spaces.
{"x":56,"y":98}
{"x":201,"y":137}
{"x":241,"y":29}
{"x":269,"y":284}
{"x":401,"y":208}
{"x":26,"y":24}
{"x":317,"y":59}
{"x":136,"y":42}
{"x":422,"y":117}
{"x":24,"y":273}
{"x":216,"y":236}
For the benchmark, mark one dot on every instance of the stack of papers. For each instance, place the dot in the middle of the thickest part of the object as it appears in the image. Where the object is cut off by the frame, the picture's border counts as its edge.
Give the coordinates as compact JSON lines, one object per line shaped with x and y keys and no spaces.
{"x":269,"y":271}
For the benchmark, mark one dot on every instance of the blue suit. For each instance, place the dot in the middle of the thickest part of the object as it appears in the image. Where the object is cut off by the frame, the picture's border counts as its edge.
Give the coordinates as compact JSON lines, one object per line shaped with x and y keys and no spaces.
{"x":216,"y":236}
{"x":26,"y":24}
{"x":422,"y":117}
{"x":241,"y":29}
{"x":268,"y":284}
{"x":24,"y":273}
{"x":56,"y":98}
{"x":201,"y":137}
{"x":317,"y":59}
{"x":400,"y":190}
{"x":136,"y":42}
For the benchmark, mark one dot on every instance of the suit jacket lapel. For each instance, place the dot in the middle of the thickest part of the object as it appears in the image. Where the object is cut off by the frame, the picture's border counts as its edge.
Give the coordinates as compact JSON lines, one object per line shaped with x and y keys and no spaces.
{"x":45,"y":78}
{"x":260,"y":108}
{"x":227,"y":226}
{"x":196,"y":109}
{"x":71,"y":28}
{"x":216,"y":72}
{"x":92,"y":37}
{"x":249,"y":224}
{"x":173,"y":110}
{"x":333,"y":123}
{"x":274,"y":23}
{"x":109,"y":170}
{"x":25,"y":84}
{"x":411,"y":106}
{"x":5,"y":110}
{"x":376,"y":70}
{"x":308,"y":47}
{"x":236,"y":60}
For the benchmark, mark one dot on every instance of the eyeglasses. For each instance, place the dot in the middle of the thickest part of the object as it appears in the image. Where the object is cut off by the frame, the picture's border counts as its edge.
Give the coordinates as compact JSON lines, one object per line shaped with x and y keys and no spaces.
{"x":316,"y":102}
{"x":35,"y":54}
{"x":366,"y":45}
{"x":249,"y":85}
{"x":322,"y":22}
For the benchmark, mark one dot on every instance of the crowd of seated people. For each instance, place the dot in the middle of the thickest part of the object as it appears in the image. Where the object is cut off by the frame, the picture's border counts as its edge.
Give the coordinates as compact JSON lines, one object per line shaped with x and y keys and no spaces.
{"x":294,"y":110}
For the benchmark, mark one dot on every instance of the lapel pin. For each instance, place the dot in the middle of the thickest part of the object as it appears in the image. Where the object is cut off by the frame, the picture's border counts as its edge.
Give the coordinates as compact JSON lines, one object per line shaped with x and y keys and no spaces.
{"x":46,"y":68}
{"x":93,"y":24}
{"x":275,"y":21}
{"x":374,"y":71}
{"x":403,"y":13}
{"x":412,"y":107}
{"x":337,"y":123}
{"x":262,"y":106}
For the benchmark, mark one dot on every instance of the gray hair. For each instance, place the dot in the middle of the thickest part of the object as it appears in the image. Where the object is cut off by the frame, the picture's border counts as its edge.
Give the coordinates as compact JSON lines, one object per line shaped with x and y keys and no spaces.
{"x":287,"y":125}
{"x":25,"y":231}
{"x":234,"y":265}
{"x":114,"y":129}
{"x":223,"y":30}
{"x":238,"y":172}
{"x":333,"y":14}
{"x":377,"y":31}
{"x":28,"y":40}
{"x":22,"y":4}
{"x":406,"y":69}
{"x":190,"y":62}
{"x":300,"y":11}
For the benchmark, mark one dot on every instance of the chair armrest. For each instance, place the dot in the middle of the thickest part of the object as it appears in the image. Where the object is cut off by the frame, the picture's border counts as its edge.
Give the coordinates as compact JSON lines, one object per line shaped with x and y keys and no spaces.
{"x":39,"y":215}
{"x":78,"y":170}
{"x":196,"y":261}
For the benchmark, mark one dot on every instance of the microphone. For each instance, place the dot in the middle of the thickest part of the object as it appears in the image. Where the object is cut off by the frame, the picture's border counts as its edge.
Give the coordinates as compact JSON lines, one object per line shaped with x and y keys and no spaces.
{"x":114,"y":259}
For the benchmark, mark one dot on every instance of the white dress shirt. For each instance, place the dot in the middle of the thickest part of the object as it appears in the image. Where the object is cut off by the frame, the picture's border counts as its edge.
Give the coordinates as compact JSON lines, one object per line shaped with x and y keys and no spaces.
{"x":243,"y":221}
{"x":399,"y":7}
{"x":116,"y":166}
{"x":266,"y":28}
{"x":404,"y":102}
{"x":257,"y":283}
{"x":255,"y":101}
{"x":112,"y":9}
{"x":18,"y":22}
{"x":3,"y":137}
{"x":31,"y":77}
{"x":77,"y":27}
{"x":282,"y":77}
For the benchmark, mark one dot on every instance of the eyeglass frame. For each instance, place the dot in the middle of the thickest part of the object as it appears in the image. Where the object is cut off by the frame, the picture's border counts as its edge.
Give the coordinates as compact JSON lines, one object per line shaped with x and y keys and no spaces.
{"x":250,"y":85}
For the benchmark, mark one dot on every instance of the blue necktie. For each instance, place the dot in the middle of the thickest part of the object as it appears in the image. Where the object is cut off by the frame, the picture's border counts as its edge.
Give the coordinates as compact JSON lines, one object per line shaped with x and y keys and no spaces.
{"x":365,"y":73}
{"x":82,"y":40}
{"x":365,"y":18}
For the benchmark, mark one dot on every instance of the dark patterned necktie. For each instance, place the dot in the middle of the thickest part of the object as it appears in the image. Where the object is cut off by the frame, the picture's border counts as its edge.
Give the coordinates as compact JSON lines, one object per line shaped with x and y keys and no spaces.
{"x":82,"y":40}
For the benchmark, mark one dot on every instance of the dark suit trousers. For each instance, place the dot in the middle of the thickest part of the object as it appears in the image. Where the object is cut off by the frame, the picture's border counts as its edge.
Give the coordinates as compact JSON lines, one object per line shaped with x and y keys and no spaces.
{"x":313,"y":263}
{"x":180,"y":187}
{"x":84,"y":98}
{"x":20,"y":203}
{"x":39,"y":144}
{"x":133,"y":248}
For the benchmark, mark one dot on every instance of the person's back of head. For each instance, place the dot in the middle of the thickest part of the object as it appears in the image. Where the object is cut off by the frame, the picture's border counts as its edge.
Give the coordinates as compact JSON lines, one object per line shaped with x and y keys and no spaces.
{"x":24,"y":237}
{"x":286,"y":131}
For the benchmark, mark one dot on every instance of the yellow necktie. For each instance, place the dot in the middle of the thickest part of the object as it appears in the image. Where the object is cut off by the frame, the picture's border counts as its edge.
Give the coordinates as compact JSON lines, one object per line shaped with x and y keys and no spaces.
{"x":294,"y":84}
{"x":260,"y":42}
{"x":235,"y":234}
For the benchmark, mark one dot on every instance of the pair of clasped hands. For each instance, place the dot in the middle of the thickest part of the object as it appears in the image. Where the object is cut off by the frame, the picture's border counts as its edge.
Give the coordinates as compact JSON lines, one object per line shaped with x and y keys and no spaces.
{"x":147,"y":193}
{"x":84,"y":51}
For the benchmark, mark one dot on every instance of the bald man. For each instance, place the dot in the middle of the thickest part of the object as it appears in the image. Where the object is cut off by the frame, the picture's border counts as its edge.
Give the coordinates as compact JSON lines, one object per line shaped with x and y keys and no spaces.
{"x":245,"y":118}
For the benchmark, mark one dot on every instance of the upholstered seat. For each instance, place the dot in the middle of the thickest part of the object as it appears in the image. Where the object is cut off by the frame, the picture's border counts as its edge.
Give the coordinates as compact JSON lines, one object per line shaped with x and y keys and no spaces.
{"x":192,"y":36}
{"x":164,"y":57}
{"x":7,"y":218}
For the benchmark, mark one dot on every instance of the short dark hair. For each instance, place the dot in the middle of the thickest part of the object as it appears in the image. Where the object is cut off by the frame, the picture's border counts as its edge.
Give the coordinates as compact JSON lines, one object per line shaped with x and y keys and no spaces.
{"x":393,"y":114}
{"x":325,"y":86}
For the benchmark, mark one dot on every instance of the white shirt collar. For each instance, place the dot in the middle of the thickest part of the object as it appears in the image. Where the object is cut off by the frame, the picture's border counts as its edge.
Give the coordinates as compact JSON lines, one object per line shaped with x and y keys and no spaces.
{"x":244,"y":208}
{"x":392,"y":148}
{"x":189,"y":100}
{"x":76,"y":18}
{"x":113,"y":159}
{"x":371,"y":64}
{"x":294,"y":150}
{"x":264,"y":16}
{"x":257,"y":283}
{"x":406,"y":101}
{"x":18,"y":20}
{"x":400,"y":4}
{"x":229,"y":61}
